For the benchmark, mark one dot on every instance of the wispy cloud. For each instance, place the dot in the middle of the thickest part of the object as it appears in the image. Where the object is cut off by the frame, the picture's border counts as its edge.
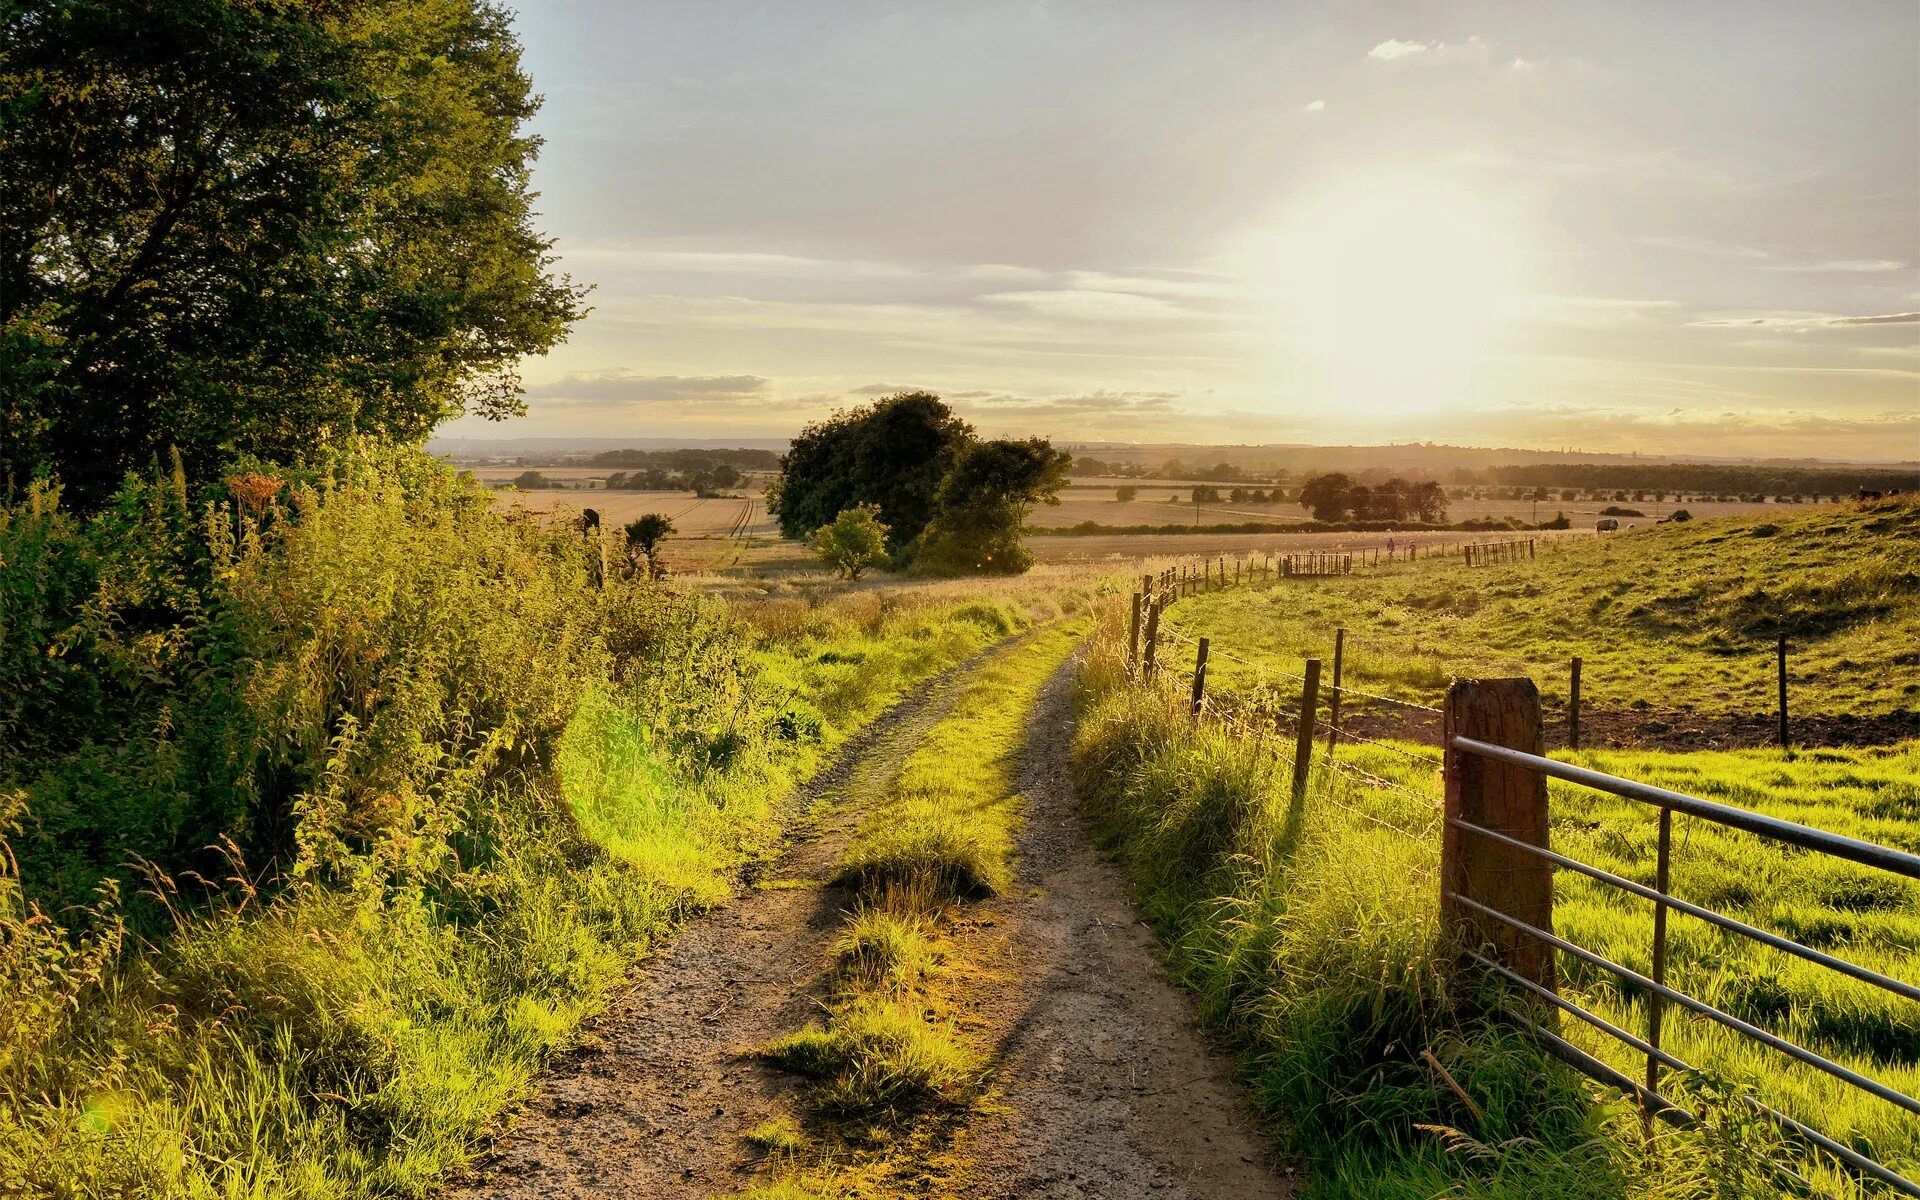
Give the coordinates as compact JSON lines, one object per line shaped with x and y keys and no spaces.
{"x":1393,"y":49}
{"x":1800,"y":320}
{"x":622,"y":387}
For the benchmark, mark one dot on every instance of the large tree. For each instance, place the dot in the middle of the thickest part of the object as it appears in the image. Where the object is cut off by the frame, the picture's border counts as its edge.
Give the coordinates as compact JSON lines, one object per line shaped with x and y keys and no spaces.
{"x":983,"y":502}
{"x":892,"y":453}
{"x":260,"y":226}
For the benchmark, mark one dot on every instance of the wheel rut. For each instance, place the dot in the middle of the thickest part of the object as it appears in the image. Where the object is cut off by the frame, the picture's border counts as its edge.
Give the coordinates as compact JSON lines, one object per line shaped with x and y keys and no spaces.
{"x":1107,"y":1087}
{"x":656,"y":1098}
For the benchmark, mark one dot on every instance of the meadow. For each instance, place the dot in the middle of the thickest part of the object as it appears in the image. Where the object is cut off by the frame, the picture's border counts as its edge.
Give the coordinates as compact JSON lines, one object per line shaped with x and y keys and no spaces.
{"x":1682,"y":619}
{"x":1310,"y":933}
{"x":1319,"y":970}
{"x":335,"y":802}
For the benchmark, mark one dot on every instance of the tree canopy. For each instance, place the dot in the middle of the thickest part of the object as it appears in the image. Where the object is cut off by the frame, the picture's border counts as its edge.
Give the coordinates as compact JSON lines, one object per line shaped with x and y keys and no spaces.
{"x":892,"y":453}
{"x":260,"y":228}
{"x":852,"y":541}
{"x":982,"y":505}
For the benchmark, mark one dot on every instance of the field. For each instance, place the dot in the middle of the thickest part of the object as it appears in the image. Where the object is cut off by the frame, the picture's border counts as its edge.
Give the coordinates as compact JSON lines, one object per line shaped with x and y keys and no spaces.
{"x":1663,"y":613}
{"x":1676,"y":626}
{"x":1093,"y":500}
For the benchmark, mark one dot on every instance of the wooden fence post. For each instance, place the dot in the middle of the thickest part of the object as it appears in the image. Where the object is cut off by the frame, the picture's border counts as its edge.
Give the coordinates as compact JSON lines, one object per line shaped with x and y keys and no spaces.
{"x":1785,"y":744}
{"x":1303,"y":739}
{"x":1199,"y":678}
{"x":1573,"y":707}
{"x":1333,"y":697}
{"x":1152,"y":648}
{"x":1133,"y":639}
{"x":1507,"y":799}
{"x":1237,"y":564}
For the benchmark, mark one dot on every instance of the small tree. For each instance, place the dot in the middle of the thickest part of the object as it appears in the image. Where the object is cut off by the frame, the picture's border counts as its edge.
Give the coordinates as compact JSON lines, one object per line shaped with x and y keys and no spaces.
{"x":1125,"y":494}
{"x":852,"y":541}
{"x":644,"y":535}
{"x":531,"y":481}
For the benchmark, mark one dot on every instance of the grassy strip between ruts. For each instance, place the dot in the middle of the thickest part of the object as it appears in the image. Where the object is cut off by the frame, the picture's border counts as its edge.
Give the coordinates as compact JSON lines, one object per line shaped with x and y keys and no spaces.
{"x":1309,"y":932}
{"x":503,"y":786}
{"x":894,"y":1070}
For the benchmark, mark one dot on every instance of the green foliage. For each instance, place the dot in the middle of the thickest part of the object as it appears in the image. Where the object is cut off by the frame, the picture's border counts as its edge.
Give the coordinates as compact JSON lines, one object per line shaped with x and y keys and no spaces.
{"x":892,"y":453}
{"x":876,"y":1057}
{"x":644,"y":535}
{"x":982,"y":506}
{"x":1126,"y":493}
{"x":454,"y":790}
{"x":852,"y":541}
{"x":260,"y":227}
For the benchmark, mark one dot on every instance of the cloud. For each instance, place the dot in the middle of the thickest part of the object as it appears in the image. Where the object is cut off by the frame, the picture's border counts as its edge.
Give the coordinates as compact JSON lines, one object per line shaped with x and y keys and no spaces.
{"x":1845,"y":266}
{"x":1908,"y":318}
{"x":1317,"y":106}
{"x":1081,"y":304}
{"x":620,"y":386}
{"x":1800,"y":321}
{"x":1393,"y":49}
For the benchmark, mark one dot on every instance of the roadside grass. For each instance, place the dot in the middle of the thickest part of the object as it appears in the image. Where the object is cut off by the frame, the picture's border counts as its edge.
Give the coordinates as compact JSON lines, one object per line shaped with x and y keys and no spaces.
{"x":894,"y":1073}
{"x":1309,"y":933}
{"x":1677,"y":617}
{"x":466,"y":791}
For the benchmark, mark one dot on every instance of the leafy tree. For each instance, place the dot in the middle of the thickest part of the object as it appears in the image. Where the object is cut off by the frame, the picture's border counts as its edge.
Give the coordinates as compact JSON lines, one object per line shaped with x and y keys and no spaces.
{"x":644,"y":535}
{"x":1327,"y":497}
{"x":892,"y":454}
{"x":852,"y":542}
{"x":532,"y":481}
{"x":1206,"y":494}
{"x":1680,"y":514}
{"x":1428,"y":502}
{"x":983,"y":503}
{"x":1126,"y":494}
{"x":260,"y":228}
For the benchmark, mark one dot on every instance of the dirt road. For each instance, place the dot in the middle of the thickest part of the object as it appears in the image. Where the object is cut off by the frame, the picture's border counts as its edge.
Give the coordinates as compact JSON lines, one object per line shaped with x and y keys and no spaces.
{"x":1102,"y":1088}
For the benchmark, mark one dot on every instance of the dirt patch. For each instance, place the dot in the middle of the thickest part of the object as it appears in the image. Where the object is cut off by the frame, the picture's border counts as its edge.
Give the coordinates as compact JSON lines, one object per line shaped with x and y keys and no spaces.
{"x":656,"y":1099}
{"x":1107,"y":1088}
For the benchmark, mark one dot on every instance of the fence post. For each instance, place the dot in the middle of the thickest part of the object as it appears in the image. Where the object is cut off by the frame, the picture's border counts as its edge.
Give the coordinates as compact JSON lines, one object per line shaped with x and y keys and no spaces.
{"x":1133,"y":639}
{"x":1199,"y":678}
{"x":1784,"y":743}
{"x":1506,"y":799}
{"x":1333,"y":697}
{"x":1303,"y":740}
{"x":1237,"y":564}
{"x":1573,"y":707}
{"x":1152,"y":648}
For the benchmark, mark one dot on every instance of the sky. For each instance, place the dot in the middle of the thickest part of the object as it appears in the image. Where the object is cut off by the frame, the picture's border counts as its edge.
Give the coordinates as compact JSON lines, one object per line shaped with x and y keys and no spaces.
{"x":1683,"y":228}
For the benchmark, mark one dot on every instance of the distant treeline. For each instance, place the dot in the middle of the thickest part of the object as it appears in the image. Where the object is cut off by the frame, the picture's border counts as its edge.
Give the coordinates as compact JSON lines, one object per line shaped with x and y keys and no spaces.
{"x":1717,"y":478}
{"x":686,"y":462}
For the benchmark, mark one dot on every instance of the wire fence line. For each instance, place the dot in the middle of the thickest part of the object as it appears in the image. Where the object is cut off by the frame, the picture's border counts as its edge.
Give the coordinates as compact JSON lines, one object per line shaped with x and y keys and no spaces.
{"x":1493,"y":828}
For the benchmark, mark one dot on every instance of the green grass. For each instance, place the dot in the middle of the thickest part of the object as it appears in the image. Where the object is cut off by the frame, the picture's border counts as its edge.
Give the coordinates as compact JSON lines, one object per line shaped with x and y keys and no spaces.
{"x":1682,"y":616}
{"x":1310,"y":934}
{"x":893,"y":1074}
{"x":455,"y":792}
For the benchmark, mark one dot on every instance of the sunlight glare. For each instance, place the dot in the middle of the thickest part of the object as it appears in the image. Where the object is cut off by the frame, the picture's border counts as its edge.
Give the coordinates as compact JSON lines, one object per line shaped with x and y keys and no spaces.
{"x":1396,"y":289}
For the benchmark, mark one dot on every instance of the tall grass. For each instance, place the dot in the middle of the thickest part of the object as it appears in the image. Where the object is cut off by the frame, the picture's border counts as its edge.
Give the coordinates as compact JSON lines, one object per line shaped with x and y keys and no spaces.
{"x":1309,"y":933}
{"x":327,"y":818}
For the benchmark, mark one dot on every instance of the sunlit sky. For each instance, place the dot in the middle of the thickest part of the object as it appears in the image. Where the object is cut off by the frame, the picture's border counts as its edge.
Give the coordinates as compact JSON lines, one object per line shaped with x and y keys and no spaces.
{"x":1680,"y":227}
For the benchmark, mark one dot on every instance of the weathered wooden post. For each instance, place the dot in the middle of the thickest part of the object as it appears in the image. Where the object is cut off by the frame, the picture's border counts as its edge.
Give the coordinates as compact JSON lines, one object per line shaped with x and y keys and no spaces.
{"x":1303,"y":738}
{"x":1199,"y":678}
{"x":1152,"y":648}
{"x":1573,"y":706}
{"x":1133,"y":639}
{"x":1237,"y":564}
{"x":1333,"y":697}
{"x":1785,"y":744}
{"x":1507,"y":799}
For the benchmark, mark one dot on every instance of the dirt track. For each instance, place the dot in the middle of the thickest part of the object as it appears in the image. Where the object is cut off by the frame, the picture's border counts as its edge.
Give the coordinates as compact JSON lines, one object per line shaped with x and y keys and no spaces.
{"x":1102,"y":1090}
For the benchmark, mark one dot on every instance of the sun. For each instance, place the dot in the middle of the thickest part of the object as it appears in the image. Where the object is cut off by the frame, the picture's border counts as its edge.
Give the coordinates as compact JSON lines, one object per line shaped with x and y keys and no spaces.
{"x":1395,"y":289}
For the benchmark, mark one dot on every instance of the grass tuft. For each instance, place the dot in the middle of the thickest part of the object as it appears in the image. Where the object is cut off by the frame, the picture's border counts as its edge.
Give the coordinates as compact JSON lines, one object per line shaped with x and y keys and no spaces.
{"x":878,"y":1057}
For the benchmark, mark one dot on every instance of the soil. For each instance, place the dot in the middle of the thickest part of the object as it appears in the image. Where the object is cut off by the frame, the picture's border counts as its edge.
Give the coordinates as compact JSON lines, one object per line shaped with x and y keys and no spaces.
{"x":1103,"y":1087}
{"x":656,"y":1099}
{"x":1108,"y":1089}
